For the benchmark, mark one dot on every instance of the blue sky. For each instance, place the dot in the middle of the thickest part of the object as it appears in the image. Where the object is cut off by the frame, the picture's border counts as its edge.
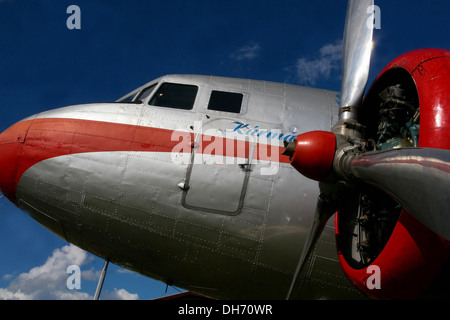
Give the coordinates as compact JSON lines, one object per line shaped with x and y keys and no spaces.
{"x":124,"y":44}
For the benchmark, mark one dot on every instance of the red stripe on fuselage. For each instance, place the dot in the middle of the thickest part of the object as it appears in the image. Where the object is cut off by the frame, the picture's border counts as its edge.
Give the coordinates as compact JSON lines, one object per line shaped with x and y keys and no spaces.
{"x":52,"y":137}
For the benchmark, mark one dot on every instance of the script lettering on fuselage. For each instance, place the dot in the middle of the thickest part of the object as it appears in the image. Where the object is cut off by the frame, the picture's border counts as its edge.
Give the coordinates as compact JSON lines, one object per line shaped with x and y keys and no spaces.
{"x":240,"y":145}
{"x":256,"y":131}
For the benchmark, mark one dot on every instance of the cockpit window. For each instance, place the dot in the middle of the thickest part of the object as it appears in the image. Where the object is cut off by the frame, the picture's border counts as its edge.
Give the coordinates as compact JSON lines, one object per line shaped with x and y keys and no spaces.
{"x":145,"y":93}
{"x":172,"y":95}
{"x":138,"y":97}
{"x":225,"y":101}
{"x":128,"y":98}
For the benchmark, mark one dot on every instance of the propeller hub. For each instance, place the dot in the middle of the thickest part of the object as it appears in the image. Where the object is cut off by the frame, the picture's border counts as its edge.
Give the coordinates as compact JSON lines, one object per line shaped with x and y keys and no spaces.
{"x":312,"y":154}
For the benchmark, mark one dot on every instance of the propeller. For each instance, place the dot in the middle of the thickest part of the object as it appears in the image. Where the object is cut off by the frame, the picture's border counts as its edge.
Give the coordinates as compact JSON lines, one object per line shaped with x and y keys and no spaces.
{"x":339,"y":163}
{"x":357,"y":47}
{"x":411,"y":176}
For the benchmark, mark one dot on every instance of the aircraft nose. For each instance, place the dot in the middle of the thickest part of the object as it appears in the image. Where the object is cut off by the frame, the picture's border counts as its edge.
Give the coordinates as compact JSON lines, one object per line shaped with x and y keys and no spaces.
{"x":11,"y":145}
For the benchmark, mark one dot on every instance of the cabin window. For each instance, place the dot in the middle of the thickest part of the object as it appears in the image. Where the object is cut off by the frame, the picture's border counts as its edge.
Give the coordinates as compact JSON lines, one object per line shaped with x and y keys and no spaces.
{"x":172,"y":95}
{"x":225,"y":101}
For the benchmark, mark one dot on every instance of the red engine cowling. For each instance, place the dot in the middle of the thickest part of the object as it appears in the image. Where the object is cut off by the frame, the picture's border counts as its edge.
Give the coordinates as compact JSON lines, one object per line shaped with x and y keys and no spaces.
{"x":412,"y":256}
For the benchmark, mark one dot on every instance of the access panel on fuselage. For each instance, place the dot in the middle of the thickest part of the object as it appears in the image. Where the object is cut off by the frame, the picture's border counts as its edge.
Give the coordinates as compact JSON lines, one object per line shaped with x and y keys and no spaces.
{"x":220,"y":167}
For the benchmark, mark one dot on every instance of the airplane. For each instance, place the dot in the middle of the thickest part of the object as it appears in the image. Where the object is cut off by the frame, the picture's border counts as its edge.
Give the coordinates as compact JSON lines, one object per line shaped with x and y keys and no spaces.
{"x":227,"y":187}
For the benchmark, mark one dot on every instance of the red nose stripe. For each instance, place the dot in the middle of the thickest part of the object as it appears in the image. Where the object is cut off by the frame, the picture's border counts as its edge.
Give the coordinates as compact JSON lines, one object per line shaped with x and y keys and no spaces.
{"x":11,"y":145}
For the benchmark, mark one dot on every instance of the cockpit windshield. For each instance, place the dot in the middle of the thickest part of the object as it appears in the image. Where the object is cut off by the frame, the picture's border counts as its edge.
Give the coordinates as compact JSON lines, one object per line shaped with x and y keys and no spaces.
{"x":127,"y":99}
{"x":144,"y":94}
{"x":138,"y":96}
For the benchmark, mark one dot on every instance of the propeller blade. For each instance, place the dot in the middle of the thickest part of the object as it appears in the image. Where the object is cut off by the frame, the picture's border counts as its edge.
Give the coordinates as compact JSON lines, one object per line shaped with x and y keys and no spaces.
{"x":323,"y":212}
{"x":418,"y":178}
{"x":357,"y":49}
{"x":355,"y":72}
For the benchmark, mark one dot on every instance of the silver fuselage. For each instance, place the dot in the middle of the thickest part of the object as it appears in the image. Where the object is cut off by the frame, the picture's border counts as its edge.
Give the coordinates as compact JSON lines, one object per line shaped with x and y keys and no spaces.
{"x":227,"y":226}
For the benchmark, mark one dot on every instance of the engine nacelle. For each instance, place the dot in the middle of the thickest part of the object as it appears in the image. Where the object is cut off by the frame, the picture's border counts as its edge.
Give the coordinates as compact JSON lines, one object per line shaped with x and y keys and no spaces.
{"x":412,"y":92}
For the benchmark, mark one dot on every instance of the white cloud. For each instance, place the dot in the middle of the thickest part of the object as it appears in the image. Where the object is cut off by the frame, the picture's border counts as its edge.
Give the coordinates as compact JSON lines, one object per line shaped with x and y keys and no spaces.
{"x":249,"y":51}
{"x":6,"y":294}
{"x":309,"y":71}
{"x":48,"y":281}
{"x":119,"y":294}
